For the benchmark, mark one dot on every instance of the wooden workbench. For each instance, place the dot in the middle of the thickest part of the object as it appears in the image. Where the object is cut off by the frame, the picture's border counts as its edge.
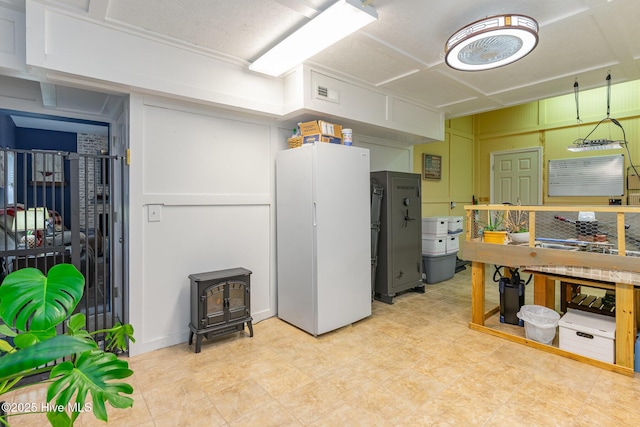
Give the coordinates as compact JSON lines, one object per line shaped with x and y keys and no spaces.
{"x":541,"y":262}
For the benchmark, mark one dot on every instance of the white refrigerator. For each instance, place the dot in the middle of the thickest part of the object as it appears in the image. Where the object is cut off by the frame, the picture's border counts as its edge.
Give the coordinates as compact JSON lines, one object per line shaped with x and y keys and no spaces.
{"x":323,"y":236}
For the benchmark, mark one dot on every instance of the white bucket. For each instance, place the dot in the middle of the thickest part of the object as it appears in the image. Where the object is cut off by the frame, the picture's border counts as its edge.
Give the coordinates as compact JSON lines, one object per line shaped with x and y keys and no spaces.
{"x":539,"y":322}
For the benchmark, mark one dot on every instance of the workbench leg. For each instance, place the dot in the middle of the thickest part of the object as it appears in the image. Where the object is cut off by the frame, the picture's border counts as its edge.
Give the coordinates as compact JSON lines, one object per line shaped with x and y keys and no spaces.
{"x":625,"y":325}
{"x":477,"y":292}
{"x":544,"y":291}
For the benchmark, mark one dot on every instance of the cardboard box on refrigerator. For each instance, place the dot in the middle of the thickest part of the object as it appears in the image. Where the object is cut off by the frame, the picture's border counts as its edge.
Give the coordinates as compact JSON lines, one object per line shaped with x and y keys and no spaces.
{"x":311,"y":139}
{"x":321,"y":131}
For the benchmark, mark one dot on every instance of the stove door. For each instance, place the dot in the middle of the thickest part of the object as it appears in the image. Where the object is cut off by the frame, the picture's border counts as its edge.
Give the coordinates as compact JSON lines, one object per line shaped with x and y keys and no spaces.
{"x":214,"y":304}
{"x":238,"y":299}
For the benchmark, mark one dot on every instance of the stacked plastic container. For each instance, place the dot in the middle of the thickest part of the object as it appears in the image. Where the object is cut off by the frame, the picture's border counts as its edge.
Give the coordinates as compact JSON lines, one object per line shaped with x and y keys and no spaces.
{"x":440,"y":244}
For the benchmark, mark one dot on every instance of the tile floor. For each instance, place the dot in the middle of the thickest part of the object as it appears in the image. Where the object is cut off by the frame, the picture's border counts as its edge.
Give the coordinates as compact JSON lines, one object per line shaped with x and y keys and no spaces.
{"x":413,"y":363}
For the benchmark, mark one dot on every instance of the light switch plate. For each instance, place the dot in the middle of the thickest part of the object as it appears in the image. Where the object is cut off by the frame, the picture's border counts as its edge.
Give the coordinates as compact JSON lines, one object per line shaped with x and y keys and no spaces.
{"x":154,"y":213}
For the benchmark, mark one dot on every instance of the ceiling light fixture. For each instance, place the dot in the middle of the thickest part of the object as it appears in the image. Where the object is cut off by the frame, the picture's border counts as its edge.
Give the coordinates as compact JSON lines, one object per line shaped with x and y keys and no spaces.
{"x":491,"y":42}
{"x":594,"y":144}
{"x":333,"y":24}
{"x":586,"y":144}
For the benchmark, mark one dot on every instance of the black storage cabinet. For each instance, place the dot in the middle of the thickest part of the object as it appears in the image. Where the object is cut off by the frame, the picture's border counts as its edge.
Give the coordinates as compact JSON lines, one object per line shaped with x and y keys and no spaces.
{"x":399,"y":264}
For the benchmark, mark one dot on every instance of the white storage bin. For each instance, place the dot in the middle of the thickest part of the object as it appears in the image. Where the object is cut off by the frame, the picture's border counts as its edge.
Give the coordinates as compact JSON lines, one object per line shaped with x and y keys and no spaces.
{"x":453,"y":243}
{"x":435,"y":226}
{"x":588,"y":334}
{"x":454,"y":224}
{"x":434,"y":245}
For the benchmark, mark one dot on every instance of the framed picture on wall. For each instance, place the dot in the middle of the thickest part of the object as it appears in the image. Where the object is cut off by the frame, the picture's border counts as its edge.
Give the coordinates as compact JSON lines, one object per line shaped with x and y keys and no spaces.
{"x":47,"y":167}
{"x":431,"y":166}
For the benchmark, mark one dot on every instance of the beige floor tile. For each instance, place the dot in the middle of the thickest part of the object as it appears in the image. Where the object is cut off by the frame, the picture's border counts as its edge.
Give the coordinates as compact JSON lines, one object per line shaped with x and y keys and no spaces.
{"x":311,"y":402}
{"x":192,"y":414}
{"x":412,"y":363}
{"x":273,"y":414}
{"x":535,"y":413}
{"x":450,"y":409}
{"x":282,"y":378}
{"x":167,"y":397}
{"x":378,"y":401}
{"x":346,"y":415}
{"x":239,"y":399}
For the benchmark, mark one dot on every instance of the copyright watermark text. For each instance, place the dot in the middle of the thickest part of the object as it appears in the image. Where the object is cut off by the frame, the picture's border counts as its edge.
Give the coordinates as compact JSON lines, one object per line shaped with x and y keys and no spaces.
{"x":26,"y":407}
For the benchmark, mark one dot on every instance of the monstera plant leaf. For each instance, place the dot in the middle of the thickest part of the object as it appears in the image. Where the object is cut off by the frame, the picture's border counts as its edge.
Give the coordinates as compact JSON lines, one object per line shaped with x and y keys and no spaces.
{"x":32,"y":306}
{"x":31,"y":301}
{"x":118,"y":336}
{"x":89,"y":375}
{"x":22,"y":362}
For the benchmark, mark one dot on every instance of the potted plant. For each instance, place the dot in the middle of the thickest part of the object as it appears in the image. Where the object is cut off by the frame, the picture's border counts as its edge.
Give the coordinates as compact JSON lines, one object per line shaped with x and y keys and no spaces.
{"x":517,"y":225}
{"x":33,"y":308}
{"x":493,"y":231}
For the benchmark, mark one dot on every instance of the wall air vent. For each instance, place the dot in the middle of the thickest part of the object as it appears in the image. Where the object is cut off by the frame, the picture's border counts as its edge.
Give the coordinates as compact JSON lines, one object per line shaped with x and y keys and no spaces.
{"x":326,"y":94}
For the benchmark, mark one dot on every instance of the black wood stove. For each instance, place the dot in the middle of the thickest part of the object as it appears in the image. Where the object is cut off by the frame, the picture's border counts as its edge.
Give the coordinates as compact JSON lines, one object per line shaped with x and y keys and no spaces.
{"x":220,"y":303}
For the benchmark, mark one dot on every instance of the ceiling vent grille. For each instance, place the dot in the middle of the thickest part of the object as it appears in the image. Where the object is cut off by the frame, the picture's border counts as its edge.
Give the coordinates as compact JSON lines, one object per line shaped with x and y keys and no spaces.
{"x":324,"y":93}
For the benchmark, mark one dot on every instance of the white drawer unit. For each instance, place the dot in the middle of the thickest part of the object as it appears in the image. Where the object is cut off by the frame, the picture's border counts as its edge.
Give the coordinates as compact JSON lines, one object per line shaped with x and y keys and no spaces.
{"x":588,"y":334}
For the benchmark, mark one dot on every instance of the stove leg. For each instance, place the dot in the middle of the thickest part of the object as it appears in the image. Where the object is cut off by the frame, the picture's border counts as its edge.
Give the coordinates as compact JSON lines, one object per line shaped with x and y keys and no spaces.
{"x":198,"y":343}
{"x":191,"y":338}
{"x":250,"y":326}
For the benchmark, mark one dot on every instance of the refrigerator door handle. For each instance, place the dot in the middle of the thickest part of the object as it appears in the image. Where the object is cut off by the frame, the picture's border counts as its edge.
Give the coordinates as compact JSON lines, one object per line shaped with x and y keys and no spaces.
{"x":315,"y":222}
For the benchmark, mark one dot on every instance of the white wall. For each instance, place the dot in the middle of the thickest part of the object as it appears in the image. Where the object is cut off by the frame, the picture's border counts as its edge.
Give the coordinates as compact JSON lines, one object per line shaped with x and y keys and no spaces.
{"x":207,"y":166}
{"x":212,"y":172}
{"x":211,"y":175}
{"x":386,"y":155}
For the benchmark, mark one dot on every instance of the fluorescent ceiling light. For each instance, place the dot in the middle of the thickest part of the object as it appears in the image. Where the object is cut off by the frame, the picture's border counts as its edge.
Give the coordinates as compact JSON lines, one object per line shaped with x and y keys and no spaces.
{"x":333,"y":24}
{"x":491,"y":42}
{"x":594,"y":144}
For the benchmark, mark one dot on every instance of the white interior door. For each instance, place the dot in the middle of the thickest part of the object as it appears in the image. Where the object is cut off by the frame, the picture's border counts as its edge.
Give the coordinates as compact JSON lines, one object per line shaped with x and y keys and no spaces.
{"x":517,"y":177}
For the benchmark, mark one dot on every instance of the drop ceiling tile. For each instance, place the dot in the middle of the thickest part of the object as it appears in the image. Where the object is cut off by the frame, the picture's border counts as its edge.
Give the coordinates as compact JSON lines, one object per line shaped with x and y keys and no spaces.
{"x":238,"y":28}
{"x":365,"y":59}
{"x":432,"y":87}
